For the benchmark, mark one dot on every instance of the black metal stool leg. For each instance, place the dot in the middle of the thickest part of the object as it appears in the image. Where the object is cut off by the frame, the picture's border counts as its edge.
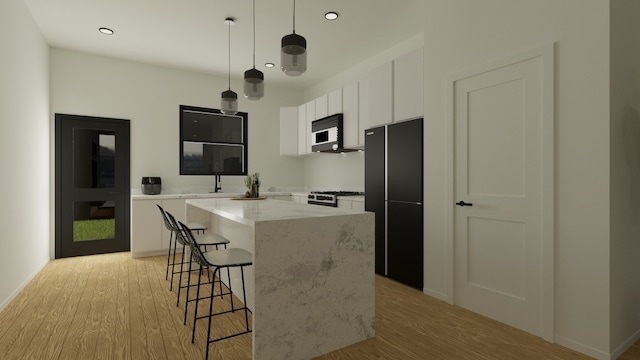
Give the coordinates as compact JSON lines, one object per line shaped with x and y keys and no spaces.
{"x":206,"y":356}
{"x":244,"y":298}
{"x":173,"y":265}
{"x":169,"y":255}
{"x":181,"y":272}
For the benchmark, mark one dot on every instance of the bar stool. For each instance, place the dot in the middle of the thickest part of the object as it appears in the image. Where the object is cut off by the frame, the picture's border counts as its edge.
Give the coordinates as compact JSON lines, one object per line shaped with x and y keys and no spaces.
{"x":198,"y":228}
{"x":205,"y":240}
{"x":226,"y":258}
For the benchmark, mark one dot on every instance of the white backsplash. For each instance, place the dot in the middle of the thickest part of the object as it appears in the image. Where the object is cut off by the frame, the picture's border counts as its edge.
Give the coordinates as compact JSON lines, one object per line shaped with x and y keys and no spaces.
{"x":334,"y":172}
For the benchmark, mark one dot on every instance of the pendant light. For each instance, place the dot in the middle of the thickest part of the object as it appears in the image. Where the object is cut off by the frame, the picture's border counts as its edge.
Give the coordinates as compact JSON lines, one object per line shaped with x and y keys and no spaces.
{"x":229,"y":99}
{"x":253,"y":78}
{"x":293,"y":55}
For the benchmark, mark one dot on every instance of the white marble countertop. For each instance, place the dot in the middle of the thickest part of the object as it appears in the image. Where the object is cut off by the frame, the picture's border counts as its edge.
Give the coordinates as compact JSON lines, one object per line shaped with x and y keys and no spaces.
{"x":248,"y":212}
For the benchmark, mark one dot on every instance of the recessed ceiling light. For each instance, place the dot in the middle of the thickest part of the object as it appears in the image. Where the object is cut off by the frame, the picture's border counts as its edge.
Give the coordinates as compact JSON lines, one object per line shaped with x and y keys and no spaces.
{"x":106,"y":31}
{"x":331,"y":15}
{"x":269,"y":65}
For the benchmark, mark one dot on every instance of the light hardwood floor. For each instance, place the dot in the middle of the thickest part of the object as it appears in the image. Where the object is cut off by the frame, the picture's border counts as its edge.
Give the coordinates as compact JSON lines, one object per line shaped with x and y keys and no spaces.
{"x":114,"y":307}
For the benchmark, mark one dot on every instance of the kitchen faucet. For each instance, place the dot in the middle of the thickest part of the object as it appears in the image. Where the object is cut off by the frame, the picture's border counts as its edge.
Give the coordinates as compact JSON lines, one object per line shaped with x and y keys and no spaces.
{"x":218,"y":185}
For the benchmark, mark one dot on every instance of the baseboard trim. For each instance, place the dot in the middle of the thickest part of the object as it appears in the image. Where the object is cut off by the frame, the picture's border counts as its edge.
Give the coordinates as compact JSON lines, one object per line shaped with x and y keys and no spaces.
{"x":17,"y":291}
{"x":581,"y":348}
{"x":618,"y":351}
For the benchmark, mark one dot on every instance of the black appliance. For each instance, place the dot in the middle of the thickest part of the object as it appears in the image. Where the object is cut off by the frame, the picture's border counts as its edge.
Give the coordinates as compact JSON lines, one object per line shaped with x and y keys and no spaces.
{"x":393,"y":190}
{"x":151,"y":185}
{"x":327,"y":136}
{"x":329,"y":198}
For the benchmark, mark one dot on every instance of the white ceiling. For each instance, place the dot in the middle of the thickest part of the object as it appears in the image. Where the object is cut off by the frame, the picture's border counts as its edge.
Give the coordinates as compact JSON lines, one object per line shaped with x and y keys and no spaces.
{"x":191,"y":34}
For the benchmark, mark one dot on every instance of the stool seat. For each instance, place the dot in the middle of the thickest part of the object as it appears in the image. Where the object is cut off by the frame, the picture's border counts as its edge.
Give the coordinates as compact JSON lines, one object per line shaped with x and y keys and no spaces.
{"x":197,"y":227}
{"x":229,"y":257}
{"x":211,"y":239}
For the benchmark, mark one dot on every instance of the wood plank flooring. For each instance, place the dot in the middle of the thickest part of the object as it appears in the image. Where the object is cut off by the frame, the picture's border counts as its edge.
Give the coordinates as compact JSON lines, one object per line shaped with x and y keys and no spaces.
{"x":114,"y":307}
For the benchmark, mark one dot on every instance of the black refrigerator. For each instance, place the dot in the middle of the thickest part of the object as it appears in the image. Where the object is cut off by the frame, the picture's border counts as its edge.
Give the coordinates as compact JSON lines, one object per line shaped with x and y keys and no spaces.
{"x":393,"y":190}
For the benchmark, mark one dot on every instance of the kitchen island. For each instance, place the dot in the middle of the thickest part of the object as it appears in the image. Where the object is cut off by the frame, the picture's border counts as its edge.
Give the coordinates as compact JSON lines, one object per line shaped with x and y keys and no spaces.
{"x":311,"y":286}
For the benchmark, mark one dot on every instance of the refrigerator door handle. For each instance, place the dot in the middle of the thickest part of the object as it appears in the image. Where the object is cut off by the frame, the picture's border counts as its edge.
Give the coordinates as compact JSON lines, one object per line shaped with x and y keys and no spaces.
{"x":404,"y":202}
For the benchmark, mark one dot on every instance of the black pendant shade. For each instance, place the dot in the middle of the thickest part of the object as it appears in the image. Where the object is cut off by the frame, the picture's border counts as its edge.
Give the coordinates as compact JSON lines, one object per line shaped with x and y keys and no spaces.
{"x":253,"y":78}
{"x":228,"y":98}
{"x":253,"y":84}
{"x":293,"y":54}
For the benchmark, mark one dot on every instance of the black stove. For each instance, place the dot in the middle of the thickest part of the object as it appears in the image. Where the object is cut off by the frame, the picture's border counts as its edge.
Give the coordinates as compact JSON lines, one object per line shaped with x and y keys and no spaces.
{"x":329,"y":198}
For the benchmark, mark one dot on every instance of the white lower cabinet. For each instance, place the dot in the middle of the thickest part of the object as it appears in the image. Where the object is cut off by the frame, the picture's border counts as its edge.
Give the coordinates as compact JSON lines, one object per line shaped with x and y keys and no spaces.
{"x":281,"y":197}
{"x":149,"y":236}
{"x":350,"y":204}
{"x":300,"y":199}
{"x":146,"y":227}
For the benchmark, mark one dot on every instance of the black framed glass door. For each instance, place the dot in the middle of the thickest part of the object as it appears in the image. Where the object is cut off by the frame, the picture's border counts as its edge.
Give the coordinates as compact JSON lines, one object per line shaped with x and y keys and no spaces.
{"x":92,"y":185}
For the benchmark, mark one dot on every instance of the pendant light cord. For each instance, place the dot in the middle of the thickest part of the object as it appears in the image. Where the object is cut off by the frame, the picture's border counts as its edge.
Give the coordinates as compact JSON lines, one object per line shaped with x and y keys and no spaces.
{"x":254,"y":34}
{"x":229,"y":27}
{"x":294,"y":16}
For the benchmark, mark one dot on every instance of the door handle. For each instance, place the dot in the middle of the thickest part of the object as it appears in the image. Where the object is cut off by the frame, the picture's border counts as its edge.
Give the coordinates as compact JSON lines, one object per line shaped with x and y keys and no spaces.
{"x":462,"y":203}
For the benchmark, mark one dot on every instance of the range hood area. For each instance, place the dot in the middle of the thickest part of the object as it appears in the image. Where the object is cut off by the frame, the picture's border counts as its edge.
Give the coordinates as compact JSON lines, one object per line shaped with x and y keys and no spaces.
{"x":327,"y":135}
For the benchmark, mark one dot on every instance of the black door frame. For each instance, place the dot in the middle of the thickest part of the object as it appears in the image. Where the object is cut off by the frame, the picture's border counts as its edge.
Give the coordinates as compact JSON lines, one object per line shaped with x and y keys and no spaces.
{"x":66,"y":194}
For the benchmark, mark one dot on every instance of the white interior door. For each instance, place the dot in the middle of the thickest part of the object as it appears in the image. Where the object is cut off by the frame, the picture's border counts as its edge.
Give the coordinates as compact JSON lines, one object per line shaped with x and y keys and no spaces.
{"x":500,"y":173}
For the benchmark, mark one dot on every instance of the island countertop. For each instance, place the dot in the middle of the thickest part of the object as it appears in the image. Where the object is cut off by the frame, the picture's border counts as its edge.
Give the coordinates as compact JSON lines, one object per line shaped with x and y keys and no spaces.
{"x":311,"y":286}
{"x":249,"y":212}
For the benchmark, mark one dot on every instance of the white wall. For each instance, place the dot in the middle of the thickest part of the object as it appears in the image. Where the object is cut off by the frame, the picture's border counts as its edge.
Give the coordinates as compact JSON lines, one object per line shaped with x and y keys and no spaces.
{"x":625,"y":174}
{"x":24,"y":149}
{"x":467,"y":33}
{"x":150,"y":96}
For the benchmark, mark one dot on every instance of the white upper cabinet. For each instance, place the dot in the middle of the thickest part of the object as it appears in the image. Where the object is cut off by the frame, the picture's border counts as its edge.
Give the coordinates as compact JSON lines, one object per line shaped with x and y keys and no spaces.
{"x":351,"y":111}
{"x":322,"y":106}
{"x":335,"y":102}
{"x":381,"y":95}
{"x":407,"y":86}
{"x":311,"y":116}
{"x":302,"y":129}
{"x":289,"y":135}
{"x":363,"y":109}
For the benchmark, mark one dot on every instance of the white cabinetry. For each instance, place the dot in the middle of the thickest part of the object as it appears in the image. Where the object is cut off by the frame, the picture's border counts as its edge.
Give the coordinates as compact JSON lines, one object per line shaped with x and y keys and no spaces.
{"x":302,"y":129}
{"x":146,"y":227}
{"x":289,"y":135}
{"x":396,"y":90}
{"x":407,"y":86}
{"x":322,"y":107}
{"x":335,"y":102}
{"x":311,"y":116}
{"x":149,"y":236}
{"x":351,"y":111}
{"x":299,"y":198}
{"x":381,"y":95}
{"x":281,"y":197}
{"x":363,"y":109}
{"x":350,"y":203}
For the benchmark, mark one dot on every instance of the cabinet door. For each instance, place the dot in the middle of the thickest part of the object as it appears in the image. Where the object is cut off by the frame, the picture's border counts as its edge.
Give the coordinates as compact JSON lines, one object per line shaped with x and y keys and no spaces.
{"x":350,"y":109}
{"x":322,"y":106}
{"x":381,"y":95}
{"x":146,"y":227}
{"x":335,"y":102}
{"x":363,"y":109}
{"x":344,"y":204}
{"x":289,"y":130}
{"x":302,"y":129}
{"x":177,"y":208}
{"x":311,"y":116}
{"x":407,"y":86}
